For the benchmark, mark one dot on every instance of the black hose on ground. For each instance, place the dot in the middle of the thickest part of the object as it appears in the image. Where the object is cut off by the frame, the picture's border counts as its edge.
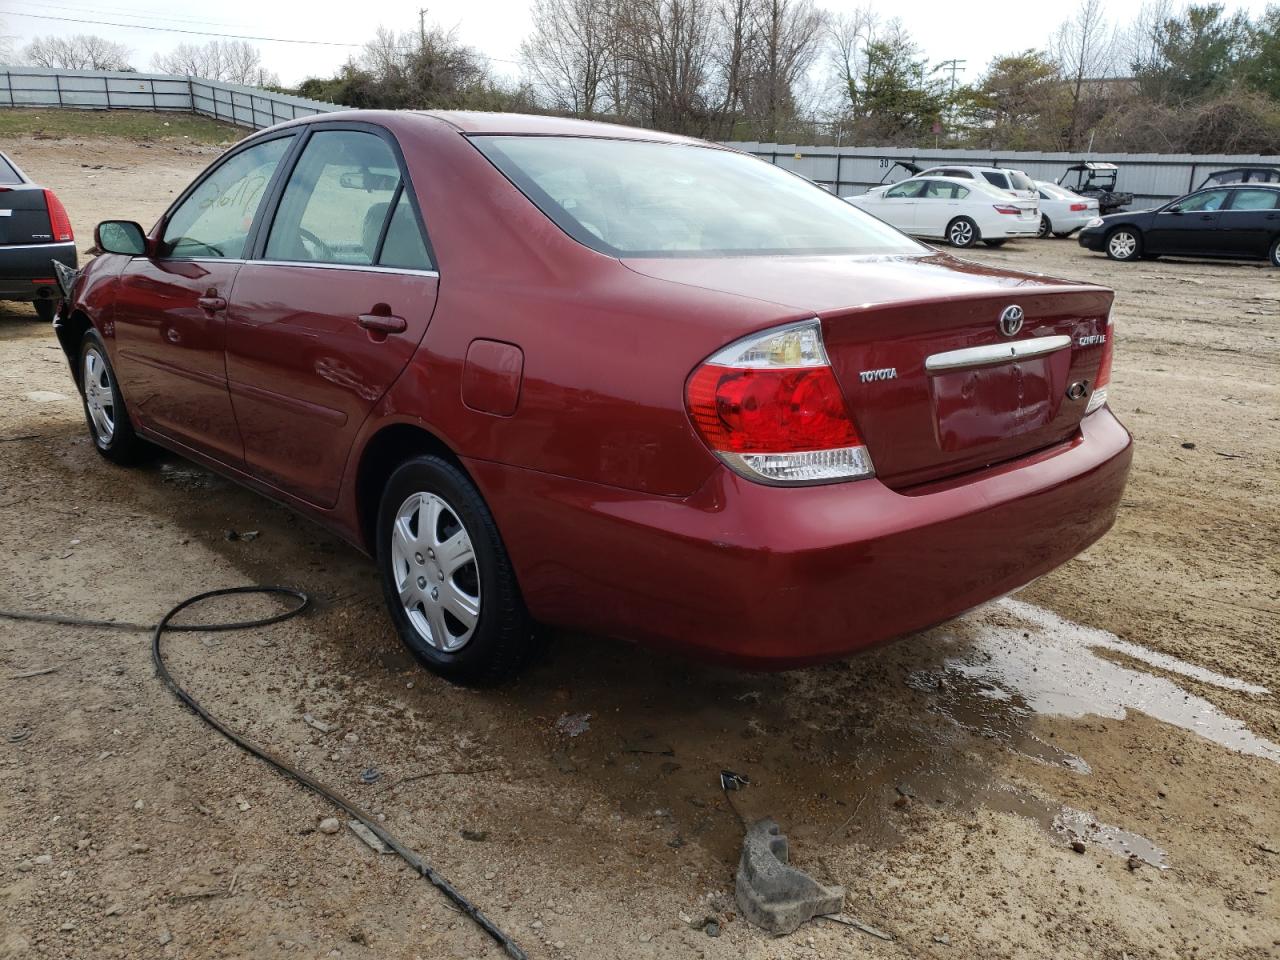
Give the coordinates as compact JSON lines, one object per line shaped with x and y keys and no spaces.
{"x":162,"y":670}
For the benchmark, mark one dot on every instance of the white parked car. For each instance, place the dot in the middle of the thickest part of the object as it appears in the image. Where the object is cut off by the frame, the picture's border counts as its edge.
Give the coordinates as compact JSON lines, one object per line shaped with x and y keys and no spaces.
{"x":1062,"y":212}
{"x":959,"y":211}
{"x":1014,"y":181}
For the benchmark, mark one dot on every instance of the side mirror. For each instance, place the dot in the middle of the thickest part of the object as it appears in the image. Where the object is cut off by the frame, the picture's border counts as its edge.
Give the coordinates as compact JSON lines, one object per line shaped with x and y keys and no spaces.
{"x":120,"y":236}
{"x":1176,"y":208}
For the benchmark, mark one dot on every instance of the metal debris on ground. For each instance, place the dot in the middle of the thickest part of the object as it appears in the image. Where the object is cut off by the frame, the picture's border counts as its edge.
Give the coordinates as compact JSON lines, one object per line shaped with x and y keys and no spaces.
{"x":573,"y":724}
{"x":857,"y":924}
{"x":368,"y":836}
{"x":27,"y":674}
{"x":771,"y":893}
{"x":371,"y":775}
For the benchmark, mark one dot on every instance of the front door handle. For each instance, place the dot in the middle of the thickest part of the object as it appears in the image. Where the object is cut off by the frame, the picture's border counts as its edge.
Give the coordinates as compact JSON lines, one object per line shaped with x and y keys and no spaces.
{"x":212,"y":304}
{"x":383,"y":323}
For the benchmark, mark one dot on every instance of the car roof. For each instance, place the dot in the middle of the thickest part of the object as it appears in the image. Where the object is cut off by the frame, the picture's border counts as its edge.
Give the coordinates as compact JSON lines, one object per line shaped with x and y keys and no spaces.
{"x":476,"y":122}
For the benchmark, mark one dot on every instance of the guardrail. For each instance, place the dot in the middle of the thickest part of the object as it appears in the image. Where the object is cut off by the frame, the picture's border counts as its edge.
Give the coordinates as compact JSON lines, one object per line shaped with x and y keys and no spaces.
{"x":114,"y":90}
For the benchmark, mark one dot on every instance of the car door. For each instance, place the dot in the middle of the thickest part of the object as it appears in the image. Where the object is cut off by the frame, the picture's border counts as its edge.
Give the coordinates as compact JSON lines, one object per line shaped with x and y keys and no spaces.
{"x":1188,"y":225}
{"x":329,"y":310}
{"x":897,"y":205}
{"x":1249,"y":222}
{"x":170,"y":309}
{"x":937,"y":206}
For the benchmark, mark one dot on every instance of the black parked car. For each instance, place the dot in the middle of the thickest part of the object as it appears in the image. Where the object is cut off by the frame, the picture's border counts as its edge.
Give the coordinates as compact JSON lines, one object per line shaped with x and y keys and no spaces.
{"x":34,"y":232}
{"x":1241,"y":221}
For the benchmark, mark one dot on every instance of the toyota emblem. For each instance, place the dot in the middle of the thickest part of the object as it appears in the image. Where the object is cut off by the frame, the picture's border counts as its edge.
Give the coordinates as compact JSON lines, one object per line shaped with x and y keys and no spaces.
{"x":1011,"y":320}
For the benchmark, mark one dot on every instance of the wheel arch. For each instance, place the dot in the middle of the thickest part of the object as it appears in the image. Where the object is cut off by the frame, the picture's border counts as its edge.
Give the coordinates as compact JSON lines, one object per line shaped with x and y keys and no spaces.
{"x":70,"y":333}
{"x":390,"y":446}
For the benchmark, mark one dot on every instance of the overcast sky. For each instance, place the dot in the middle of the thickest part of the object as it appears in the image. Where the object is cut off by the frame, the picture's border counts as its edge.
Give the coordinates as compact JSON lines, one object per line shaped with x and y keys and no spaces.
{"x":974,"y":31}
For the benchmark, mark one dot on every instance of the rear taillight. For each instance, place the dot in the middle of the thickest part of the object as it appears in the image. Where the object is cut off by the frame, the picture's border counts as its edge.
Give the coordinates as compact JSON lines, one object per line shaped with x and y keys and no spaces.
{"x":769,"y":406}
{"x":1100,"y":382}
{"x":1077,"y":207}
{"x":1005,"y":208}
{"x":59,"y":222}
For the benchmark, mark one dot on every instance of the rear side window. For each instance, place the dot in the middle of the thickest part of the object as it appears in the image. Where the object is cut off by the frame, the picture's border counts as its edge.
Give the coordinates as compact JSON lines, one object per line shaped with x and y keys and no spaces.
{"x":1256,"y":200}
{"x":996,"y":179}
{"x":337,"y":201}
{"x":937,"y":190}
{"x":962,"y":174}
{"x":215,"y":218}
{"x":7,"y":173}
{"x":404,"y":246}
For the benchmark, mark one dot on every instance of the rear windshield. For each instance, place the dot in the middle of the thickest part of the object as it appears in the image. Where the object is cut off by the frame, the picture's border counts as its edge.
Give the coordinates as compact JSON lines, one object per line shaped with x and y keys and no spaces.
{"x":7,"y":173}
{"x":640,"y":199}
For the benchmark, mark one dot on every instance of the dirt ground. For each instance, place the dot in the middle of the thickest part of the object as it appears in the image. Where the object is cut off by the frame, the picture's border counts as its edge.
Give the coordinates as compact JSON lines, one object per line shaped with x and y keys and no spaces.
{"x":1127,"y":703}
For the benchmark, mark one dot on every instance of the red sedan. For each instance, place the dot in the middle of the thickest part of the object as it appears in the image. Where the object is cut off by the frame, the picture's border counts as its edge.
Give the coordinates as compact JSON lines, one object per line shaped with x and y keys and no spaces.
{"x":604,"y":379}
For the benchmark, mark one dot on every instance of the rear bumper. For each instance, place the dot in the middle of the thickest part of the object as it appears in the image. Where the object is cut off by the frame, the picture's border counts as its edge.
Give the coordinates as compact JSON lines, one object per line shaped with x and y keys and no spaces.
{"x":22,"y":264}
{"x":775,"y":577}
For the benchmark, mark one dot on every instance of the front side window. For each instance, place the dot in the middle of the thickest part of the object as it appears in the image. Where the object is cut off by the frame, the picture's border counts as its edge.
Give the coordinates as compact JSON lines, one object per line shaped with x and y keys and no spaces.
{"x":638,"y":198}
{"x":910,"y":188}
{"x":215,"y":219}
{"x":1207,"y":201}
{"x":1256,"y":200}
{"x":337,"y":201}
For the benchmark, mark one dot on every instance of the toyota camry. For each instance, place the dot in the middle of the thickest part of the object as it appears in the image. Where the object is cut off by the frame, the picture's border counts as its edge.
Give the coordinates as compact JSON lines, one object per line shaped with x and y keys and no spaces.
{"x":557,"y":372}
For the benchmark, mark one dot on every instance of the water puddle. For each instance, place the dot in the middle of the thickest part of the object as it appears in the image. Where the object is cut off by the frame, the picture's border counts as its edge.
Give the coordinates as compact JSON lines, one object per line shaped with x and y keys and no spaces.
{"x":1022,"y":659}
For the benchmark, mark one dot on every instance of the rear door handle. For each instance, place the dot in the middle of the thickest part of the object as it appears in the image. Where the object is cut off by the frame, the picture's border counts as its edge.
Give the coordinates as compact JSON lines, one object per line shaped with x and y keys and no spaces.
{"x":383,"y":323}
{"x":212,"y":304}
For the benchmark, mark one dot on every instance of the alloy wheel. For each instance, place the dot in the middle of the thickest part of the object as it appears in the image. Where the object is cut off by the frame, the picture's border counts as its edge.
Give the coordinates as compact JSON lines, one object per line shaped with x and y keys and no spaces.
{"x":436,"y":575}
{"x":99,"y":397}
{"x":1122,"y":245}
{"x":961,"y":233}
{"x":1045,"y":227}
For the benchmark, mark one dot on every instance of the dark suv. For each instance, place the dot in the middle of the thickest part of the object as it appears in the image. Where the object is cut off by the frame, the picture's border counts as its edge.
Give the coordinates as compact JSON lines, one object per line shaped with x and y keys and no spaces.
{"x":34,"y":231}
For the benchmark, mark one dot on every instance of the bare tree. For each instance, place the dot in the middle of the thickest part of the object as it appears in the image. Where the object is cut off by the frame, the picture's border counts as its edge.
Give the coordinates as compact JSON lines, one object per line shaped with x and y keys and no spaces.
{"x":1085,"y":46}
{"x":788,"y":36}
{"x":668,"y":51}
{"x":80,"y":52}
{"x":232,"y":61}
{"x":572,"y":54}
{"x":848,"y":36}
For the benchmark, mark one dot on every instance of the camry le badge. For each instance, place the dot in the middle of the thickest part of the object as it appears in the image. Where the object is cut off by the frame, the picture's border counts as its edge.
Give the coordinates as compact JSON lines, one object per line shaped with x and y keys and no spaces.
{"x":1011,"y":320}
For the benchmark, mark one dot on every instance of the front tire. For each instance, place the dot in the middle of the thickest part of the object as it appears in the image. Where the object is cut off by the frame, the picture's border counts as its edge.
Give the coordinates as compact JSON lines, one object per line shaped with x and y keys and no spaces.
{"x":1274,"y":256}
{"x":1046,"y":227}
{"x":446,"y":576}
{"x":963,"y":232}
{"x":1124,"y":244}
{"x":104,"y":410}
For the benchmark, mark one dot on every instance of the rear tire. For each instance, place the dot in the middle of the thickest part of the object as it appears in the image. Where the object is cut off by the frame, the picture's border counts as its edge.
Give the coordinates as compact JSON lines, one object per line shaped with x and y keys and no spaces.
{"x":963,"y":232}
{"x":446,"y":576}
{"x":1046,"y":227}
{"x":45,"y":309}
{"x":109,"y":425}
{"x":1124,"y":244}
{"x":1274,"y":256}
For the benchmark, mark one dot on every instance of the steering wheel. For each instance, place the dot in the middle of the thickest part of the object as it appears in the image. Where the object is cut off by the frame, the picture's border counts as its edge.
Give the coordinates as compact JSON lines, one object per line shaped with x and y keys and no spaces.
{"x":308,"y":237}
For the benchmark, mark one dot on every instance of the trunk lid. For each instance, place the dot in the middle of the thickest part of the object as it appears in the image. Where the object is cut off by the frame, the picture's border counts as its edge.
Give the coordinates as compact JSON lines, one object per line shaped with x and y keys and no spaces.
{"x":24,"y":218}
{"x":935,"y":386}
